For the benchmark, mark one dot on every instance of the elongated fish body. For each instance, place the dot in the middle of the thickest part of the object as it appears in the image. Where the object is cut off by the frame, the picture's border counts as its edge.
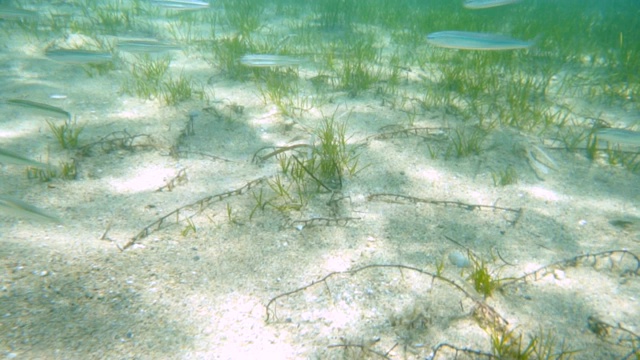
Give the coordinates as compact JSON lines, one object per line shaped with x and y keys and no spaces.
{"x":40,"y":107}
{"x":485,"y":4}
{"x":181,"y":4}
{"x":263,"y":60}
{"x":145,"y":46}
{"x":9,"y":12}
{"x":619,"y":136}
{"x":7,"y":157}
{"x":18,"y":208}
{"x":465,"y":40}
{"x":78,"y":56}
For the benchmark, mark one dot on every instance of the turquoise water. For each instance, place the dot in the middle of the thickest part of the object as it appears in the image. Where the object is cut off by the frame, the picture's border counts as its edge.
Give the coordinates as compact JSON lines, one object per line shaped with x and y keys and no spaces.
{"x":260,"y":145}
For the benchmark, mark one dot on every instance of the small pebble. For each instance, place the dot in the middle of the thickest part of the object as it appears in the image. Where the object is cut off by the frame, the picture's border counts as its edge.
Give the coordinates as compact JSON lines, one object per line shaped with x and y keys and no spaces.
{"x":559,"y":274}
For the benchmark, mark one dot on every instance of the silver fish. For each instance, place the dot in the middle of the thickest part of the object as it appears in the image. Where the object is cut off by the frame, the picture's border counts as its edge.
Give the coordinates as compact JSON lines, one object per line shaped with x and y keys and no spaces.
{"x":465,"y":40}
{"x":18,"y":208}
{"x":181,"y":4}
{"x":40,"y":107}
{"x":9,"y":12}
{"x":485,"y":4}
{"x":262,"y":60}
{"x":7,"y":157}
{"x":145,"y":46}
{"x":619,"y":136}
{"x":78,"y":56}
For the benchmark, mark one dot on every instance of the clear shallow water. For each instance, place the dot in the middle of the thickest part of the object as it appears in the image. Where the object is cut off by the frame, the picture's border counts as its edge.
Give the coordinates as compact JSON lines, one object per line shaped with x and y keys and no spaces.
{"x":510,"y":127}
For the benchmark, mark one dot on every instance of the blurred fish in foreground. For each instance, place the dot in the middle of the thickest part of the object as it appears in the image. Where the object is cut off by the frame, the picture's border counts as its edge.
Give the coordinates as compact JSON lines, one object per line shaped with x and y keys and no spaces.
{"x":260,"y":60}
{"x":42,"y":108}
{"x":465,"y":40}
{"x":145,"y":46}
{"x":78,"y":56}
{"x":181,"y":4}
{"x":485,"y":4}
{"x":18,"y":208}
{"x":9,"y":12}
{"x":7,"y":157}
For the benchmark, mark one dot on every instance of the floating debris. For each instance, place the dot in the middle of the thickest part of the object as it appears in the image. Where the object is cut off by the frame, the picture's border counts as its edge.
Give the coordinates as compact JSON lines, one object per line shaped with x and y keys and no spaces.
{"x":78,"y":56}
{"x":181,"y":4}
{"x":18,"y":208}
{"x":619,"y":136}
{"x":45,"y":109}
{"x":464,"y":40}
{"x":262,"y":60}
{"x":485,"y":4}
{"x":145,"y":46}
{"x":7,"y":157}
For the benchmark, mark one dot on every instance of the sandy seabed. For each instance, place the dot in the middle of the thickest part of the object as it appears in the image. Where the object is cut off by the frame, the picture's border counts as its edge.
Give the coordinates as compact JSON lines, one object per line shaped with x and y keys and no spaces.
{"x":69,"y":291}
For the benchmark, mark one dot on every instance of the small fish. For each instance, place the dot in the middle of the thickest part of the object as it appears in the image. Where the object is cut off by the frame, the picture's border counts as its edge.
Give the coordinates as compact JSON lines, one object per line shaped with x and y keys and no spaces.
{"x":465,"y":40}
{"x":44,"y":108}
{"x":145,"y":46}
{"x":7,"y":157}
{"x":627,"y":222}
{"x":260,"y":60}
{"x":18,"y":208}
{"x":485,"y":4}
{"x":619,"y":136}
{"x":181,"y":4}
{"x":78,"y":56}
{"x":9,"y":12}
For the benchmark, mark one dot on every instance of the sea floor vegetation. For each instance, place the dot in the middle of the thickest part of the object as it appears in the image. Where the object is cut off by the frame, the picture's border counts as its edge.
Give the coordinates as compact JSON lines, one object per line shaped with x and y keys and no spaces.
{"x":328,"y":179}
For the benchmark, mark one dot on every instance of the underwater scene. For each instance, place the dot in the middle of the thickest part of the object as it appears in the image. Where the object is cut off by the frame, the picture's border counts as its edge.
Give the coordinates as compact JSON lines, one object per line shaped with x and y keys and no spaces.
{"x":321,"y":179}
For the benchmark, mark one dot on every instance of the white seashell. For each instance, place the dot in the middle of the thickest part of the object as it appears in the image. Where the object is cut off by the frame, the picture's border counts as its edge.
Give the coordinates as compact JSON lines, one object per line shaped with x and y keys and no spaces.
{"x":459,"y":259}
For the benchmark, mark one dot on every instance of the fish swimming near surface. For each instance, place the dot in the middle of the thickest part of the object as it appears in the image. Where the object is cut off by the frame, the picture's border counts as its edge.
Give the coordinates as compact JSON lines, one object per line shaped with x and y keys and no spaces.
{"x":7,"y":157}
{"x":464,"y":40}
{"x":78,"y":56}
{"x":181,"y":4}
{"x":485,"y":4}
{"x":40,"y":107}
{"x":18,"y":208}
{"x":264,"y":60}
